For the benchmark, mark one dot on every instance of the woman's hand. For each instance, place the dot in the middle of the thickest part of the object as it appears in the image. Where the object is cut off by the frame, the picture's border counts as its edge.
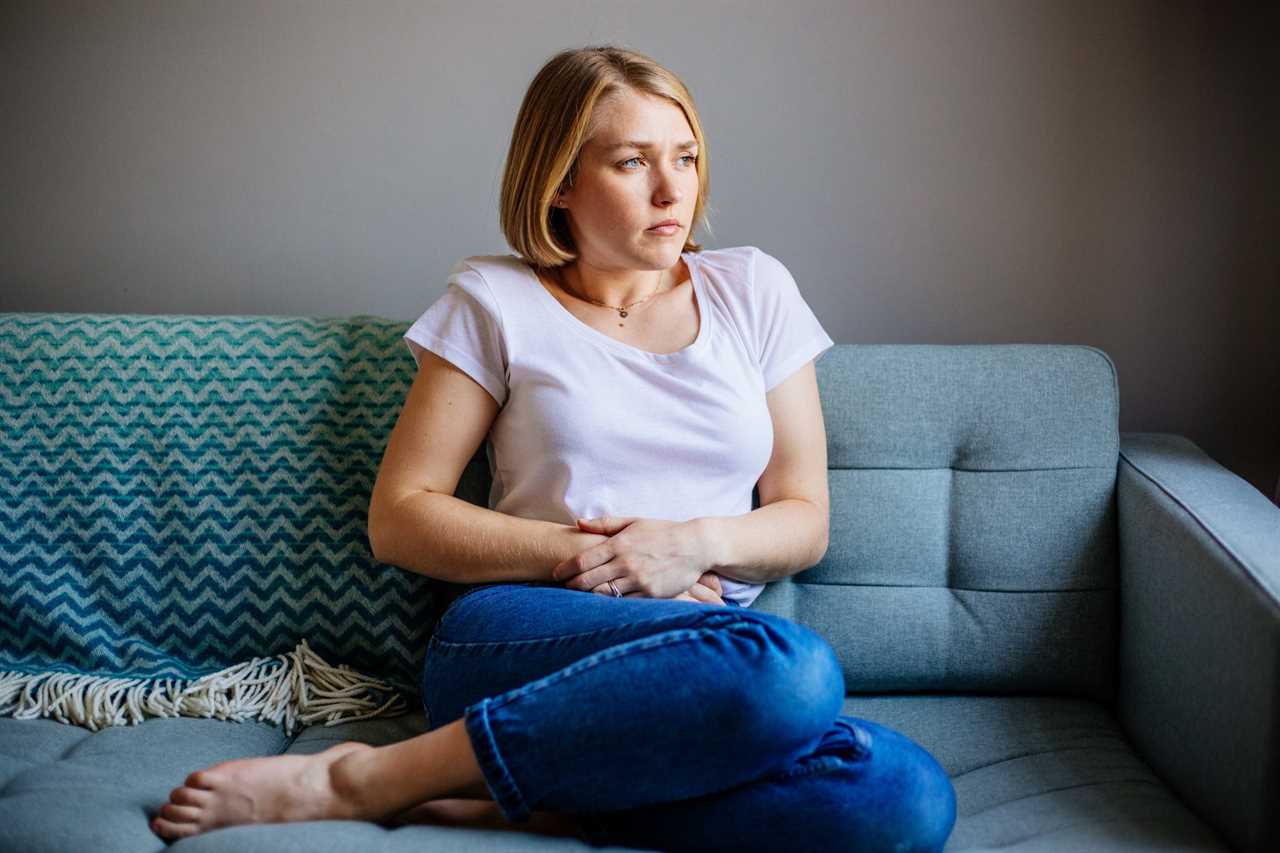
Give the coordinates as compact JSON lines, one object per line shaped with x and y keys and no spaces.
{"x":644,"y":557}
{"x":706,"y":590}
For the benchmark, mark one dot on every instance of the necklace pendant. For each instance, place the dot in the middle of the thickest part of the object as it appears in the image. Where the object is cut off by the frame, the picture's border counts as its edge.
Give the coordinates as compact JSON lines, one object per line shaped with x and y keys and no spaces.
{"x":622,"y":313}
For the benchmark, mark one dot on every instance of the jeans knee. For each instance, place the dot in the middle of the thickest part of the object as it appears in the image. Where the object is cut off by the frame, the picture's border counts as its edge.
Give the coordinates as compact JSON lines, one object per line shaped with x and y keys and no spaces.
{"x":919,"y":811}
{"x":799,"y":690}
{"x":933,"y":809}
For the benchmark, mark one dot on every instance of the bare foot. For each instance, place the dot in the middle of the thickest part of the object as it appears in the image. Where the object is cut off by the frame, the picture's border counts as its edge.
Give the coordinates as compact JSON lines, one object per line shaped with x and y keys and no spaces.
{"x":274,"y":789}
{"x":485,"y":814}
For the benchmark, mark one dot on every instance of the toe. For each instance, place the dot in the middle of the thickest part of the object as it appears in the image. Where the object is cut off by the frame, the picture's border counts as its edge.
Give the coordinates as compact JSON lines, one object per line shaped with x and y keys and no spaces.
{"x":185,"y":796}
{"x":200,"y":779}
{"x":180,"y":814}
{"x":168,"y":831}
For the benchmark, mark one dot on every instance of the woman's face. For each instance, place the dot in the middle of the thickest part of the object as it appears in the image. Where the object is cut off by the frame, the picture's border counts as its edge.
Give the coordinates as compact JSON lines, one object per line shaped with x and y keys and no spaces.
{"x":621,"y":190}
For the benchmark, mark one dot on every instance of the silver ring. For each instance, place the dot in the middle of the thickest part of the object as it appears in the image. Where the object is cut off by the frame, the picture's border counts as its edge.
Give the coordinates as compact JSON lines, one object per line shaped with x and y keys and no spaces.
{"x":616,"y":594}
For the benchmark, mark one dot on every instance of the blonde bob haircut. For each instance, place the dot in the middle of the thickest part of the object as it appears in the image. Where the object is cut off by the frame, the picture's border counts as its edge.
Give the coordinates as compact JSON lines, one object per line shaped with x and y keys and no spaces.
{"x":555,"y":120}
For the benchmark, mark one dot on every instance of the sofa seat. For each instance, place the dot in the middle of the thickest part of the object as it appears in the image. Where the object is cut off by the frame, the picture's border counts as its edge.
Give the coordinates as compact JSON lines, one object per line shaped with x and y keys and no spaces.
{"x":1031,"y":774}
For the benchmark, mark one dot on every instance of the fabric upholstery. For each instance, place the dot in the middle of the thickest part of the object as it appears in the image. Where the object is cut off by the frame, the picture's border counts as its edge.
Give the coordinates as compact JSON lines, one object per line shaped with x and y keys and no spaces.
{"x":1031,"y":773}
{"x":1200,"y":648}
{"x":184,"y":494}
{"x":972,"y":542}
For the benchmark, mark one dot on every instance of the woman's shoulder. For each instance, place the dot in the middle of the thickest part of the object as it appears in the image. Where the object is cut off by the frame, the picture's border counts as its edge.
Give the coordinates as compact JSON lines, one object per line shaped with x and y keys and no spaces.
{"x":727,"y":255}
{"x":490,"y":278}
{"x":734,"y":267}
{"x":492,"y":267}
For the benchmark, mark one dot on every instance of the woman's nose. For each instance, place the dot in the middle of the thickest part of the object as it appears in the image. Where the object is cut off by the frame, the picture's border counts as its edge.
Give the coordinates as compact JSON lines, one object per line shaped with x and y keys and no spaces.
{"x":668,"y":190}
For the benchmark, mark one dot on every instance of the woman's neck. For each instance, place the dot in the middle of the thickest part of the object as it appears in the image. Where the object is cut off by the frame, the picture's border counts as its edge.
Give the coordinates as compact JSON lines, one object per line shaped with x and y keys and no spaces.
{"x":613,"y":289}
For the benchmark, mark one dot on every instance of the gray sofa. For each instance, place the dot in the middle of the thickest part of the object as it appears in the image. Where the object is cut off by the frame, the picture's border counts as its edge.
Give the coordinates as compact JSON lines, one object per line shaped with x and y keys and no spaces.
{"x":1083,"y":626}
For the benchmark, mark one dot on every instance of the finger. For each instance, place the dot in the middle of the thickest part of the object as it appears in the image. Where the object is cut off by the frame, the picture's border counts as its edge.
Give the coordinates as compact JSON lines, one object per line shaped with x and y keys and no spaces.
{"x":716,"y":598}
{"x":702,"y":593}
{"x":606,"y":524}
{"x":575,"y":567}
{"x":712,"y":581}
{"x":593,"y":578}
{"x":609,"y":524}
{"x":604,"y":589}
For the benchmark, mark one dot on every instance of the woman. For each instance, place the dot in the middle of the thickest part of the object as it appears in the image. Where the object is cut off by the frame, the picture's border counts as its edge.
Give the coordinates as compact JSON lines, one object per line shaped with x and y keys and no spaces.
{"x":633,"y":388}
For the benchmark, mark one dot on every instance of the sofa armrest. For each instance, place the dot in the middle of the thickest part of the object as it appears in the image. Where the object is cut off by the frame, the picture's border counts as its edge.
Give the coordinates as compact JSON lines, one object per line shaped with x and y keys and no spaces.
{"x":1199,"y":690}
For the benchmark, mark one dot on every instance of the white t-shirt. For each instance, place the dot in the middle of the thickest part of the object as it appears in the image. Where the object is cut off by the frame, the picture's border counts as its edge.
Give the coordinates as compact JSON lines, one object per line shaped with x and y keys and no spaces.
{"x":591,"y":426}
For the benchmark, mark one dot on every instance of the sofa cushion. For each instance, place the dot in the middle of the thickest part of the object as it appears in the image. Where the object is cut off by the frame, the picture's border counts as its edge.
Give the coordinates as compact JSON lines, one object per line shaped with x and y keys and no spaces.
{"x":66,"y":788}
{"x":1030,"y":773}
{"x":1039,"y":773}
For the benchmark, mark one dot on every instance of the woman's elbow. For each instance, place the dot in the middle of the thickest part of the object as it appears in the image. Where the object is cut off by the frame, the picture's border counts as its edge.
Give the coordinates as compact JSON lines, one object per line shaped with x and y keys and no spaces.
{"x":820,"y":551}
{"x":381,"y":536}
{"x":376,"y":545}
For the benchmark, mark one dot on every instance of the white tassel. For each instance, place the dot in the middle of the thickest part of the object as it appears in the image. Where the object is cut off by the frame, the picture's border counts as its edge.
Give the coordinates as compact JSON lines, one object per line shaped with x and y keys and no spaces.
{"x":298,"y":686}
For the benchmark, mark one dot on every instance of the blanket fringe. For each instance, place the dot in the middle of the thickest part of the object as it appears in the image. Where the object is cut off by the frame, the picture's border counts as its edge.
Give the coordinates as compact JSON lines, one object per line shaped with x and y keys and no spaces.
{"x":292,"y":688}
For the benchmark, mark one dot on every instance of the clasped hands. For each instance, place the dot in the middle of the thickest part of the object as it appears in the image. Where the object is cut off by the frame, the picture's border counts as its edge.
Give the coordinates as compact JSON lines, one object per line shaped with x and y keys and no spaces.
{"x":645,"y":558}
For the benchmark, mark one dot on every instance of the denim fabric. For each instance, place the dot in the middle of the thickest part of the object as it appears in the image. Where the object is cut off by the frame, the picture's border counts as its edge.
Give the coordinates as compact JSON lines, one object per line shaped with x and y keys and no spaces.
{"x":675,"y":725}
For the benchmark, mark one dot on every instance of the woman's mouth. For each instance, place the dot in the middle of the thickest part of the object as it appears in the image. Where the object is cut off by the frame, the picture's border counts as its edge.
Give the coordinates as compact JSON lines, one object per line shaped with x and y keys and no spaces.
{"x":663,"y":230}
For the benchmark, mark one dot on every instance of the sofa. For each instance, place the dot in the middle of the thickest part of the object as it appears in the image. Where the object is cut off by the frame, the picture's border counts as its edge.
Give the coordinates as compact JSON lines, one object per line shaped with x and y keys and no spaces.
{"x":1081,"y":625}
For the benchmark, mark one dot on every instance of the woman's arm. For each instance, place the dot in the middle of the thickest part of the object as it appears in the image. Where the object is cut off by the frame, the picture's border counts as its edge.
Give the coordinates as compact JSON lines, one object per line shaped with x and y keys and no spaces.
{"x":450,"y":539}
{"x":416,"y":522}
{"x":772,"y":542}
{"x":789,"y":531}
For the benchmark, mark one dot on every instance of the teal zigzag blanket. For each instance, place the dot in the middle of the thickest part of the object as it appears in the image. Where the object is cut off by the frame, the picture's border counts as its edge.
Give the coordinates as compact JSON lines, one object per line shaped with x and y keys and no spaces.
{"x":183,"y":520}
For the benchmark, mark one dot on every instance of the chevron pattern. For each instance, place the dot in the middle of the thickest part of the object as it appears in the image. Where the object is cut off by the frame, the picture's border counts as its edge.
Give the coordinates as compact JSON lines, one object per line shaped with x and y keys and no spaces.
{"x":182,"y":493}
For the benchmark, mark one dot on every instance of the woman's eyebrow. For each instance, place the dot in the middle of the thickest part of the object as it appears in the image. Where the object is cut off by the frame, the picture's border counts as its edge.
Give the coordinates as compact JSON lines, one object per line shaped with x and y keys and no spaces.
{"x":634,"y":143}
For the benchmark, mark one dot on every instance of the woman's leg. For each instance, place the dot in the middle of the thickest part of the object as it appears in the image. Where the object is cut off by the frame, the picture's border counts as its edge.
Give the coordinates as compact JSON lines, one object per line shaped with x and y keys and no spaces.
{"x":563,"y":693}
{"x":355,"y":781}
{"x":866,"y":787}
{"x":636,"y":714}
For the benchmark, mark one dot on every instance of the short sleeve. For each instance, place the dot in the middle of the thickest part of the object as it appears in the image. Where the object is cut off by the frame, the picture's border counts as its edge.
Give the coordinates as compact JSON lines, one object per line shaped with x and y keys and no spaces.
{"x":787,"y":334}
{"x":464,"y":327}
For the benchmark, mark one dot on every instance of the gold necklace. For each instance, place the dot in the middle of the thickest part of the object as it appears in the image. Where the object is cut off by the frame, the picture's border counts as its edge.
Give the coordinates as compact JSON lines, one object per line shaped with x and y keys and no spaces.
{"x":621,"y":309}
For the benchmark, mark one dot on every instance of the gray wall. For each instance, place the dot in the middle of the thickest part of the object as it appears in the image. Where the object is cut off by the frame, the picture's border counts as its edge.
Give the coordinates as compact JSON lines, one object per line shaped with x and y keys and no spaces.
{"x":931,"y":172}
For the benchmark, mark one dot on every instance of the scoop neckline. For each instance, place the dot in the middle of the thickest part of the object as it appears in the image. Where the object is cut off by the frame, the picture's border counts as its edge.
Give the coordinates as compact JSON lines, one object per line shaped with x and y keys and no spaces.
{"x":583,"y":330}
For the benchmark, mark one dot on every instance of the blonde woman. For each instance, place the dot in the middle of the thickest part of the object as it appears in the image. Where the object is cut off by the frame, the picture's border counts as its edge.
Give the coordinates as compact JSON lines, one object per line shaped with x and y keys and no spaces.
{"x":601,"y":674}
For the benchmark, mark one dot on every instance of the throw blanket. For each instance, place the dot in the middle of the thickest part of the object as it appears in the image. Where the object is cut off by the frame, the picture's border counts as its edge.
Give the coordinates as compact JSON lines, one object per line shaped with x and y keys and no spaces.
{"x":183,"y":507}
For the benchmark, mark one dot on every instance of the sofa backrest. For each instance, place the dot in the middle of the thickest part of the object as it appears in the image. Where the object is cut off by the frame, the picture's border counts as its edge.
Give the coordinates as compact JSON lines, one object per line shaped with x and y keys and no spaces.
{"x":973,"y":519}
{"x":186,"y":493}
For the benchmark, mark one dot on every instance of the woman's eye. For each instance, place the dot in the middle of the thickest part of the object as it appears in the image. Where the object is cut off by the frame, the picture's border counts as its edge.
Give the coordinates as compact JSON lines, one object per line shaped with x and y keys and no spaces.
{"x":693,"y":157}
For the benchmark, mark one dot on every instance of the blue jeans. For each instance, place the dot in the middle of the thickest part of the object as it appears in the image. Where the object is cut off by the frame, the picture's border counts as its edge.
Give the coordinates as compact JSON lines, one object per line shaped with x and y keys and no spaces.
{"x":675,"y":725}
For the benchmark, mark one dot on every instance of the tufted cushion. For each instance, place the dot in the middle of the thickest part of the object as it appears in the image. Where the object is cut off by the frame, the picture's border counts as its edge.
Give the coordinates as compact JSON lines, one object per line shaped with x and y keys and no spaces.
{"x":973,"y":523}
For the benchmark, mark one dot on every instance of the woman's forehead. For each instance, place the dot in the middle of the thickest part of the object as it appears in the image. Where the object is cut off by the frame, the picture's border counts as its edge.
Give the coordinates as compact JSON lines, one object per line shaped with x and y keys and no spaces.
{"x":650,"y":121}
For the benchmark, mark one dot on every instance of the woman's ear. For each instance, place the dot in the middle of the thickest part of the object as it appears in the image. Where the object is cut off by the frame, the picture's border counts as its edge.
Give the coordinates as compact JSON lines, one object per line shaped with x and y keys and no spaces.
{"x":564,"y":191}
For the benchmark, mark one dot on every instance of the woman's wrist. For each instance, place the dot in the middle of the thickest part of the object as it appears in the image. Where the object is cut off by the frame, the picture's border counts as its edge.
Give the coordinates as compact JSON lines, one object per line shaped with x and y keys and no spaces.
{"x":713,"y":547}
{"x":568,"y":541}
